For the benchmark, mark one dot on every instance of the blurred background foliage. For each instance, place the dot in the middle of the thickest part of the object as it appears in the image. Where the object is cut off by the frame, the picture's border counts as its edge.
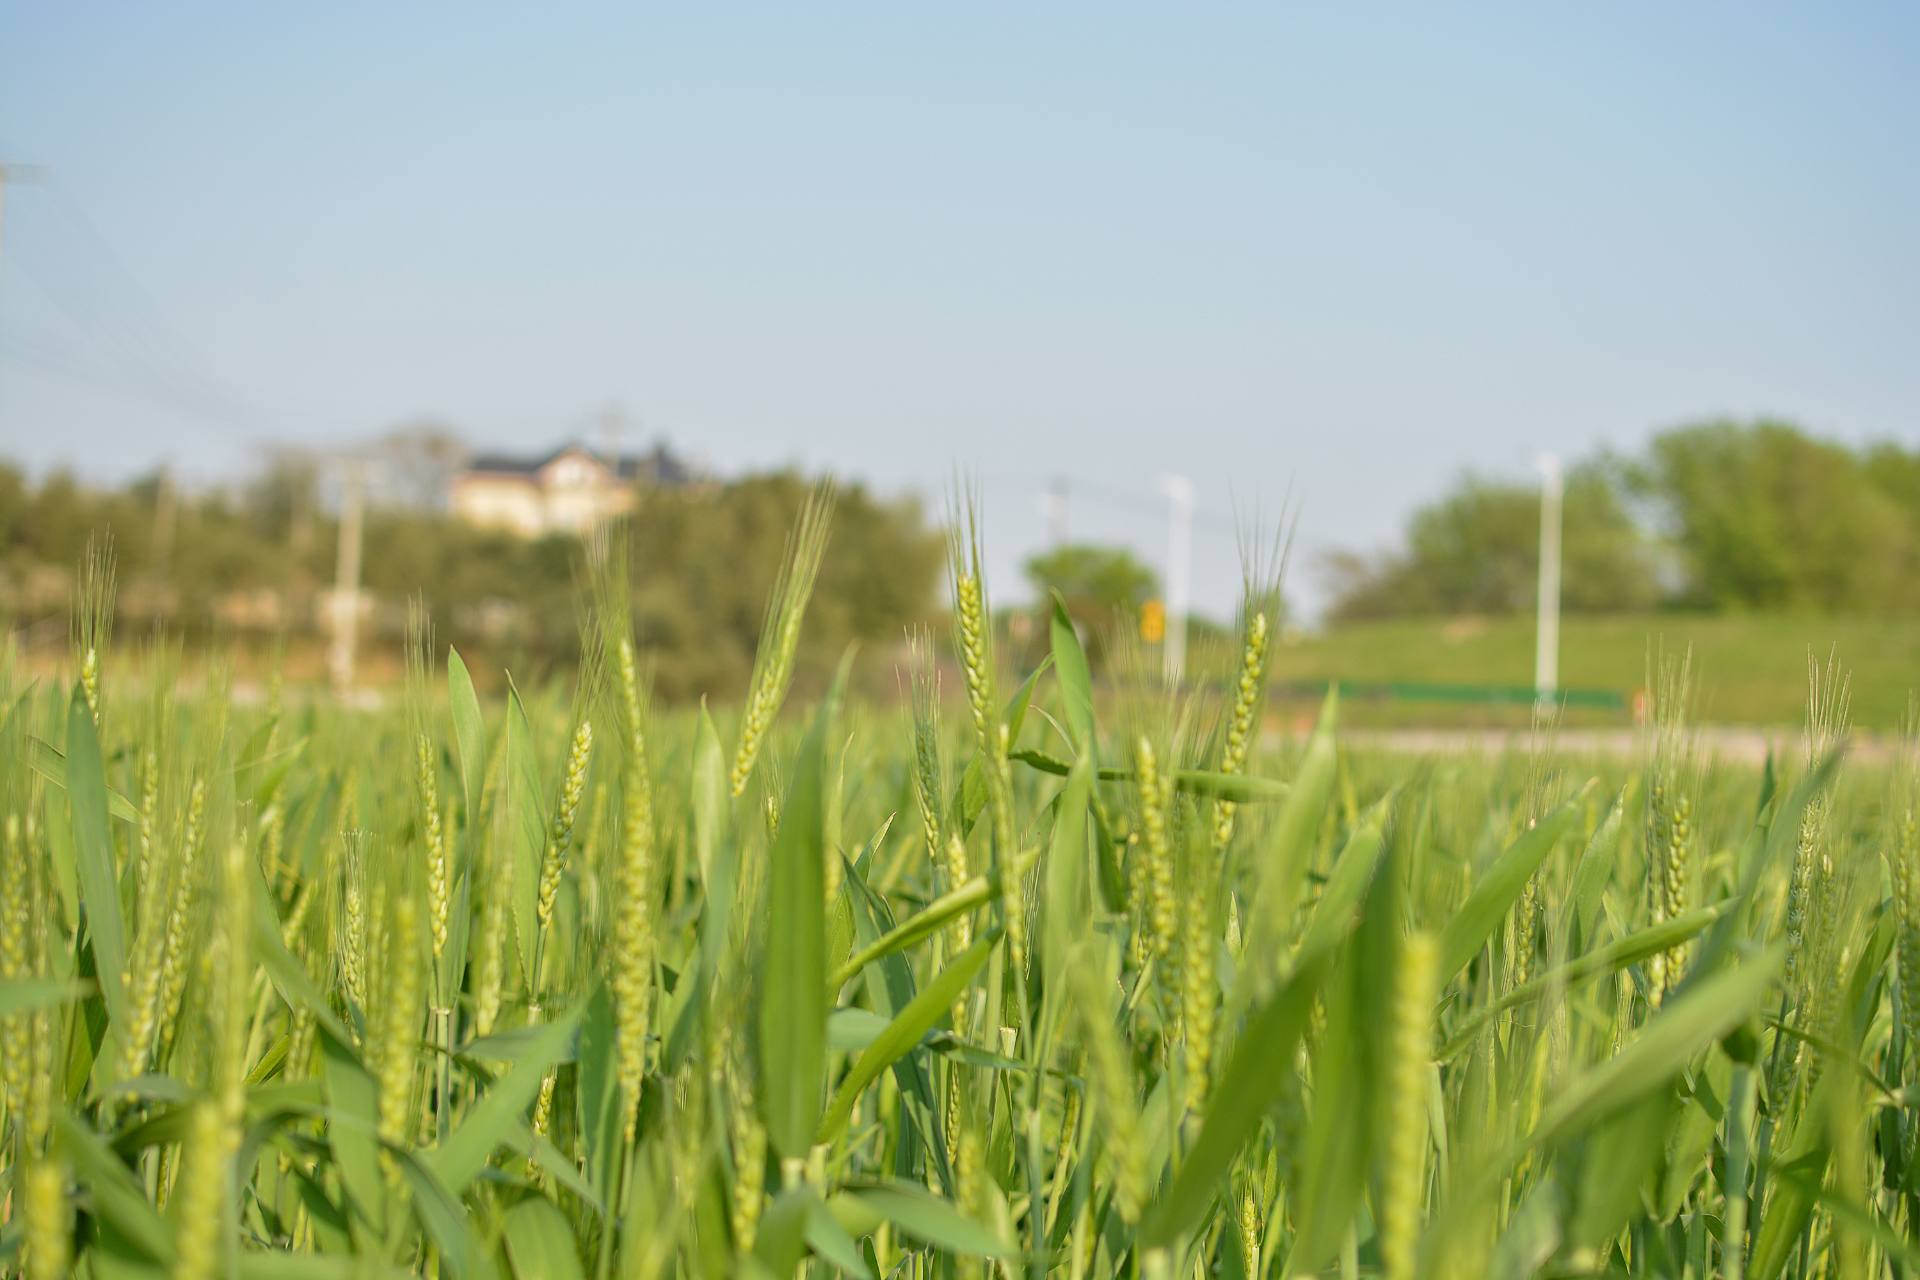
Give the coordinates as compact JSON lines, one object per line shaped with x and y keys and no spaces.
{"x":1743,"y":537}
{"x":1719,"y":516}
{"x":254,"y":564}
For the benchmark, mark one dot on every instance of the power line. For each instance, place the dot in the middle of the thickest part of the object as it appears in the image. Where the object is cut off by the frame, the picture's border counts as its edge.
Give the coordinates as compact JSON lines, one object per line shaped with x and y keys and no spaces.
{"x":1179,"y":492}
{"x":1211,"y":523}
{"x":128,"y":345}
{"x":140,"y":385}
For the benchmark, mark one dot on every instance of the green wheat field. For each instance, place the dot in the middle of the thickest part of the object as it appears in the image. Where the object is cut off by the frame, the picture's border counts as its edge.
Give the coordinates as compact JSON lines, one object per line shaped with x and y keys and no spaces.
{"x":1020,"y":978}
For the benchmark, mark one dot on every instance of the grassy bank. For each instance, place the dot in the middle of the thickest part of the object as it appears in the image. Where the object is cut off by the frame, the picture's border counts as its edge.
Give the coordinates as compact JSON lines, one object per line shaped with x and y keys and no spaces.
{"x":1751,"y":669}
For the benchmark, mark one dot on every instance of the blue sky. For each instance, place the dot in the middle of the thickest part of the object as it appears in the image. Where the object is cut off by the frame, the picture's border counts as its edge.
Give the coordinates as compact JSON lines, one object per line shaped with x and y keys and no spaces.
{"x":1336,"y":252}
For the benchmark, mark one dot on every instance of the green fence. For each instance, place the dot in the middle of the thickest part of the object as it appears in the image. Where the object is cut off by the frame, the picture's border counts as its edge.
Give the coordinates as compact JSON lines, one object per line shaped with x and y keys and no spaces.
{"x":1473,"y":694}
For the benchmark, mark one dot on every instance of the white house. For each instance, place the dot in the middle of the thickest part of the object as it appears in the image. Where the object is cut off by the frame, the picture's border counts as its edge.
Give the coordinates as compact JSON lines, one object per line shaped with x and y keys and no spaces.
{"x":570,"y":490}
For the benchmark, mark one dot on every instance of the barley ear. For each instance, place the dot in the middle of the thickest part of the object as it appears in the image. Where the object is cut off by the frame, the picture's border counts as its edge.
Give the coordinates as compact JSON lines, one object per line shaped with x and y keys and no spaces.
{"x":1669,"y":814}
{"x":929,"y":759}
{"x":202,"y":1196}
{"x":780,"y":633}
{"x":1264,"y":564}
{"x":1154,"y":788}
{"x":1404,"y":1175}
{"x":93,"y":617}
{"x":633,"y":922}
{"x":49,"y":1222}
{"x":398,"y":1046}
{"x":1904,"y":857}
{"x":1116,"y":1097}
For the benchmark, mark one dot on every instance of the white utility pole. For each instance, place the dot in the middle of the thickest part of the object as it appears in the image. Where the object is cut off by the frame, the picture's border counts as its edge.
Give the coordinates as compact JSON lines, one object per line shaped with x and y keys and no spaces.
{"x":1179,"y":492}
{"x":1056,"y":507}
{"x":613,"y":425}
{"x":165,"y":514}
{"x":16,"y":173}
{"x":1546,"y":648}
{"x":346,"y":582}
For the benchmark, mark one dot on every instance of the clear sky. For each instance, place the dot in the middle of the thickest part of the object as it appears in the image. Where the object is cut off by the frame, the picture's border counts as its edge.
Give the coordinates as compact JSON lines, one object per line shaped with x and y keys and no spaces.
{"x":1341,"y":252}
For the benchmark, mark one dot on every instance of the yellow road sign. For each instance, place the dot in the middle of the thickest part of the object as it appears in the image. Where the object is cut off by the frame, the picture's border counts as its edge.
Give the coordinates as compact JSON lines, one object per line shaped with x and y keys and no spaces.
{"x":1153,"y":622}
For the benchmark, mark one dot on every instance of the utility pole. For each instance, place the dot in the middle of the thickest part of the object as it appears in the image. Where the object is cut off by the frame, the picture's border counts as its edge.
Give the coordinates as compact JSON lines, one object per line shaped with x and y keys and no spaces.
{"x":15,"y":173}
{"x":165,"y":514}
{"x":1546,"y":648}
{"x":1056,"y":507}
{"x":1179,"y":492}
{"x":613,"y":423}
{"x":300,"y":519}
{"x":346,"y":583}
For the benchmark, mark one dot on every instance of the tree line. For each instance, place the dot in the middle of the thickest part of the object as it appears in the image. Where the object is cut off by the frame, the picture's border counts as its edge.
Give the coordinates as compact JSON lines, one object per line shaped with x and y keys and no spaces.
{"x":1715,"y":516}
{"x":1719,"y":516}
{"x":258,"y":557}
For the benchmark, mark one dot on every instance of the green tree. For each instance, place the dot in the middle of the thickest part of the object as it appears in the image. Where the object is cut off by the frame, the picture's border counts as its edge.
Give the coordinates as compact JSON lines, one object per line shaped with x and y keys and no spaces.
{"x":1765,"y":516}
{"x":704,"y":560}
{"x":13,"y":501}
{"x":702,"y":557}
{"x":1104,"y":589}
{"x":1477,"y":550}
{"x":1096,"y":582}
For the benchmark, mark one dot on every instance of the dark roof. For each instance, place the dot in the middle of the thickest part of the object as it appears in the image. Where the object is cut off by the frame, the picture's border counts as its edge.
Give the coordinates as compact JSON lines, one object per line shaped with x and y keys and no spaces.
{"x":500,"y":463}
{"x":659,"y":464}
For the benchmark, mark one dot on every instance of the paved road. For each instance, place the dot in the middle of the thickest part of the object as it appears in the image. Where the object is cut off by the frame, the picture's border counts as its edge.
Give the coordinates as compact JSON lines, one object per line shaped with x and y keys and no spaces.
{"x":1717,"y":742}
